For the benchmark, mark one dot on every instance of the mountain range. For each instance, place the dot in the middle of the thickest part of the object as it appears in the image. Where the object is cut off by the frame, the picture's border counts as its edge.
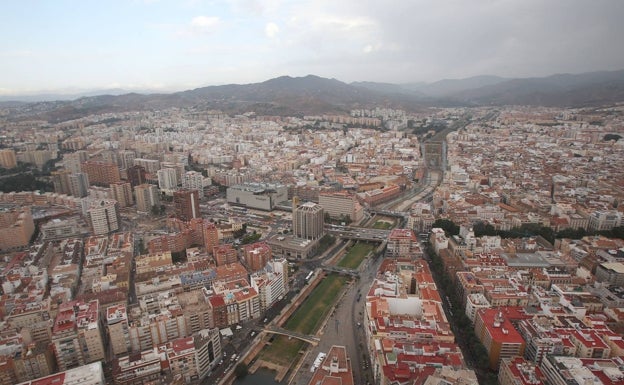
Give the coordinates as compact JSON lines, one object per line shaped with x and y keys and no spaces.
{"x":311,"y":94}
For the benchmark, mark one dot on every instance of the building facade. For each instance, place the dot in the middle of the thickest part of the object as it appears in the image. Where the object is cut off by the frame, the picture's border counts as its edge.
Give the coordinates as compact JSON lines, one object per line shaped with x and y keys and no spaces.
{"x":104,"y":216}
{"x":147,"y":196}
{"x":186,"y":204}
{"x":309,"y":221}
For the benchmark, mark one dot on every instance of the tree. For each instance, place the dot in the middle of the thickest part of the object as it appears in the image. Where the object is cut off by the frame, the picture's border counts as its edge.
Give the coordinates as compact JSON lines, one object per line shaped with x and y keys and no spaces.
{"x":449,"y":227}
{"x":241,"y":370}
{"x":142,"y":249}
{"x":345,"y":218}
{"x":571,"y":233}
{"x":482,"y":228}
{"x":609,"y":137}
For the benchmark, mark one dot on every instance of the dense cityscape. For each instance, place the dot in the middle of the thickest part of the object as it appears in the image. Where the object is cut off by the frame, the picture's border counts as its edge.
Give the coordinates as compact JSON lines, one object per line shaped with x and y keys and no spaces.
{"x":189,"y":245}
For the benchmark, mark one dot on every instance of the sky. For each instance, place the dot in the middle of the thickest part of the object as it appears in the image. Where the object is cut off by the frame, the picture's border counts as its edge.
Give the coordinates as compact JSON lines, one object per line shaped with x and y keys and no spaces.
{"x":158,"y":45}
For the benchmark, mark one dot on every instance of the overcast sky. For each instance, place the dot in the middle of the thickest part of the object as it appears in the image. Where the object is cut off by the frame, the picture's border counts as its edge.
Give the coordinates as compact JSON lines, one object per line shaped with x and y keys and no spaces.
{"x":67,"y":46}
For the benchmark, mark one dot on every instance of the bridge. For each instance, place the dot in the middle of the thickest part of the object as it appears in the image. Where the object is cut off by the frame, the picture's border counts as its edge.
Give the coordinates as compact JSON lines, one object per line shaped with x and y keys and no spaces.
{"x":359,"y":237}
{"x":272,"y":329}
{"x":341,"y":270}
{"x":389,"y":213}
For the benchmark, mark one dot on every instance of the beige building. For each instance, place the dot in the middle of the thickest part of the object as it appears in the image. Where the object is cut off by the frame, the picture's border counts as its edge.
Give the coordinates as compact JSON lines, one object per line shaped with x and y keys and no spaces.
{"x":101,"y":173}
{"x":16,"y":228}
{"x":117,"y":323}
{"x":8,"y":158}
{"x":122,"y":193}
{"x":77,"y":334}
{"x":340,"y":205}
{"x":147,"y":196}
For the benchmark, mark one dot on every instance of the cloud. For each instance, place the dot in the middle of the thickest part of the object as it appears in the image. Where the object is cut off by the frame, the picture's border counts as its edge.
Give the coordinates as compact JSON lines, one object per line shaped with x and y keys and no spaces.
{"x":255,"y":7}
{"x":271,"y":30}
{"x":17,"y":53}
{"x":200,"y":25}
{"x":203,"y":23}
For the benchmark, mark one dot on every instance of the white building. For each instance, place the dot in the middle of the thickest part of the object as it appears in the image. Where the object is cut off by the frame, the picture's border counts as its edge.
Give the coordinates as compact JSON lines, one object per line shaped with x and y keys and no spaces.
{"x":167,"y":179}
{"x":91,"y":374}
{"x":271,"y":283}
{"x":474,"y":302}
{"x":104,"y":216}
{"x":147,"y":196}
{"x":194,"y":180}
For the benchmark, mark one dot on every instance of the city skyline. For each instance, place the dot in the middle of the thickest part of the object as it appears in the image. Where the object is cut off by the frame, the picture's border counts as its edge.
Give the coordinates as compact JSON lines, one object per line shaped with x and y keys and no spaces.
{"x":158,"y":46}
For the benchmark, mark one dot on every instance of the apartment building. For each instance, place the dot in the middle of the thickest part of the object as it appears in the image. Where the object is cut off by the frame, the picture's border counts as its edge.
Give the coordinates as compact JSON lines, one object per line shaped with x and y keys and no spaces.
{"x":498,"y":336}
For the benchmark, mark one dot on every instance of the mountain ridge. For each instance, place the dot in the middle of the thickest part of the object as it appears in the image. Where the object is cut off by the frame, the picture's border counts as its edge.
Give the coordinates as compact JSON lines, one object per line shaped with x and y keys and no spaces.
{"x":311,"y":94}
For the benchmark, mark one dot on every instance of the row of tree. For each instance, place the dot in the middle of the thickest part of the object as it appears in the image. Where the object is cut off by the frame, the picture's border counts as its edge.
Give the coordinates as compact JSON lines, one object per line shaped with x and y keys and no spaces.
{"x":464,"y":330}
{"x":528,"y":230}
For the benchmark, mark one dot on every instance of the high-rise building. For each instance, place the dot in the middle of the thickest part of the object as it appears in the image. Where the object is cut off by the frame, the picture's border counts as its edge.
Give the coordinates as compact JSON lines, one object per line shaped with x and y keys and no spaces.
{"x":35,"y":360}
{"x":16,"y":228}
{"x":257,"y":255}
{"x":271,"y":283}
{"x":77,"y":334}
{"x":101,"y":173}
{"x":79,"y":185}
{"x":73,"y":162}
{"x":211,"y":236}
{"x":194,"y":180}
{"x":122,"y":193}
{"x":8,"y":158}
{"x":147,"y":196}
{"x":126,"y":159}
{"x":104,"y":216}
{"x":186,"y":204}
{"x":178,"y":167}
{"x":110,"y":156}
{"x":60,"y":180}
{"x":136,"y":175}
{"x":151,"y":166}
{"x":167,"y":179}
{"x":308,"y":221}
{"x":117,"y":324}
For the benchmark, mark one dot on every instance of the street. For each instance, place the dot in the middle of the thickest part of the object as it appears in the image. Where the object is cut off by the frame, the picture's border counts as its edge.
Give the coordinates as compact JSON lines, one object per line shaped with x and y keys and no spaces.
{"x":342,"y":328}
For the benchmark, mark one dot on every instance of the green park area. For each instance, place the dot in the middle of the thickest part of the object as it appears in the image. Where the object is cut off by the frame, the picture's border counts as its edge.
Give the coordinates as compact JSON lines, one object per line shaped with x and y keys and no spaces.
{"x":383,"y":225}
{"x":306,"y":320}
{"x":356,"y":255}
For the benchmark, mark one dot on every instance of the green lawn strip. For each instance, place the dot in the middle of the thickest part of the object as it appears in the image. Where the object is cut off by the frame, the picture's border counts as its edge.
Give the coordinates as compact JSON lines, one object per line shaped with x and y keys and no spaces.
{"x":282,"y":350}
{"x":307,"y":319}
{"x":382,"y":225}
{"x":356,"y":255}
